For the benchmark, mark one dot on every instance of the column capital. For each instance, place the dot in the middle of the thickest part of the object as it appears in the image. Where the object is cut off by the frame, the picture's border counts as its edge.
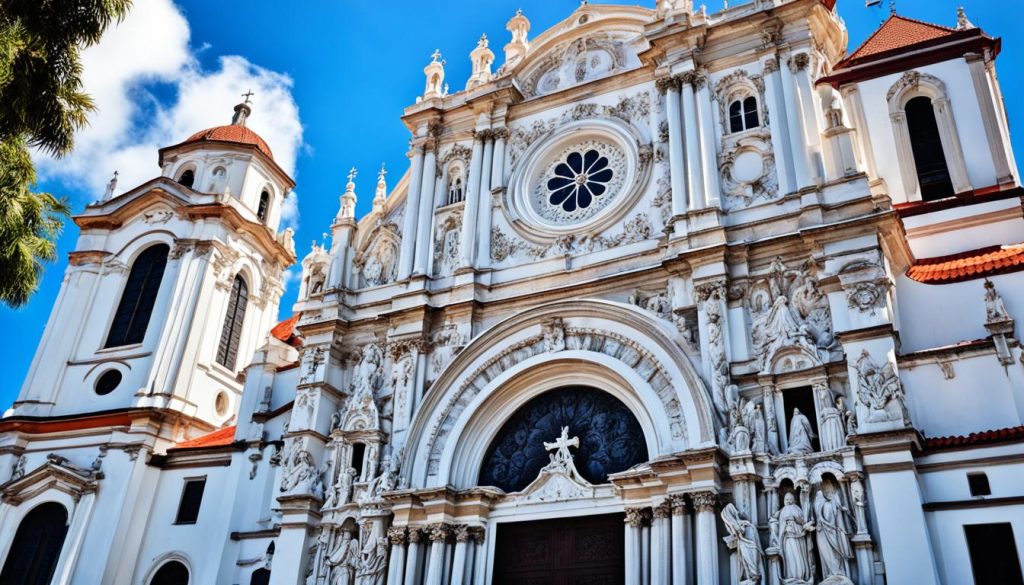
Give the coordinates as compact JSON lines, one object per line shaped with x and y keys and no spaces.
{"x":704,"y":501}
{"x":679,"y":505}
{"x":636,"y":517}
{"x":799,"y":62}
{"x":462,"y":533}
{"x":439,"y":532}
{"x":397,"y":534}
{"x":477,"y":533}
{"x":415,"y":535}
{"x":662,"y":510}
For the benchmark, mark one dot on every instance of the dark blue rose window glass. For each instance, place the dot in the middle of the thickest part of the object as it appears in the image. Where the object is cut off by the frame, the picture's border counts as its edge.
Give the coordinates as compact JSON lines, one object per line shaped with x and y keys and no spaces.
{"x":579,"y":179}
{"x":610,"y":438}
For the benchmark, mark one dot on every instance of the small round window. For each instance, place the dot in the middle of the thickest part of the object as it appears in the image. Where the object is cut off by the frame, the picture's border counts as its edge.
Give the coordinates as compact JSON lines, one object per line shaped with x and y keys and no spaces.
{"x":220,"y":403}
{"x":108,"y":382}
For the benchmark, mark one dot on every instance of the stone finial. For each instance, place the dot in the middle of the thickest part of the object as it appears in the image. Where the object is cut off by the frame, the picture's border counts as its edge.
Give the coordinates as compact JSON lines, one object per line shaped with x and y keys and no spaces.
{"x":962,"y":23}
{"x":348,"y":200}
{"x":516,"y":49}
{"x":382,"y":189}
{"x":243,"y":110}
{"x":482,"y":58}
{"x":434,"y":71}
{"x":110,"y":188}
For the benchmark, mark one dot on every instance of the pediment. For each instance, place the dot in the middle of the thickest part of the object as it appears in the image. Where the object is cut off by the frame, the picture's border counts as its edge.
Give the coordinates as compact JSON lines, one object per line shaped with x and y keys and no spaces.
{"x":555,"y":486}
{"x":57,"y":473}
{"x":156,"y":201}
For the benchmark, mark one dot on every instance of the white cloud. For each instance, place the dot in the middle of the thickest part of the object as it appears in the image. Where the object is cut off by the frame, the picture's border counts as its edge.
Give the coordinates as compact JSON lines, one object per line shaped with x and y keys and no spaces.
{"x":151,"y":47}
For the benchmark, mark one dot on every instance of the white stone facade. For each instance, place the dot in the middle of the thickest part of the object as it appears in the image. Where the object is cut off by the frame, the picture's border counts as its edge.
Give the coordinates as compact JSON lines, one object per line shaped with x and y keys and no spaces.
{"x":713,"y":220}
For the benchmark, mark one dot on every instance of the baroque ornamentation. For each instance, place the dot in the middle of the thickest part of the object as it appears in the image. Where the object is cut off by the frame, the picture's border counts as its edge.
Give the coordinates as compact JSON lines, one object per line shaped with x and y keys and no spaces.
{"x":880,"y":392}
{"x":866,"y":297}
{"x":744,"y":539}
{"x":576,"y":62}
{"x":447,"y":243}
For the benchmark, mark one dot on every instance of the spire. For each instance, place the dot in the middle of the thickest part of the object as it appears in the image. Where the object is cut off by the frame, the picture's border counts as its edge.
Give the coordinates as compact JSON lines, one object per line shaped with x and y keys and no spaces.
{"x":435,"y":76}
{"x":382,"y":189}
{"x":243,"y":110}
{"x":348,"y":200}
{"x":482,"y":58}
{"x":961,"y":19}
{"x":516,"y":49}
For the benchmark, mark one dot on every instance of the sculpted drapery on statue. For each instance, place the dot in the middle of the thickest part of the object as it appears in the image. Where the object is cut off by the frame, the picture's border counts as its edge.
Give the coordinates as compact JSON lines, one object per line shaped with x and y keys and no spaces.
{"x":797,"y":560}
{"x":833,"y":537}
{"x":800,"y":434}
{"x":833,"y":426}
{"x":743,"y":537}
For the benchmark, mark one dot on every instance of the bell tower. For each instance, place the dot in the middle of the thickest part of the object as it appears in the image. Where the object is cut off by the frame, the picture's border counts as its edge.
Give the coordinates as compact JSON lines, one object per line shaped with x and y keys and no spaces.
{"x":171,"y":287}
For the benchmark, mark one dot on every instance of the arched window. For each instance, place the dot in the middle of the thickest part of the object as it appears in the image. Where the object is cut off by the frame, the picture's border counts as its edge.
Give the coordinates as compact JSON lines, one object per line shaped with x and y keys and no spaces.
{"x":231,"y":334}
{"x":172,"y":573}
{"x":743,"y":114}
{"x":138,"y":297}
{"x":261,"y":211}
{"x":926,"y":144}
{"x":36,"y":548}
{"x":260,"y":577}
{"x":187,"y":178}
{"x":455,"y":190}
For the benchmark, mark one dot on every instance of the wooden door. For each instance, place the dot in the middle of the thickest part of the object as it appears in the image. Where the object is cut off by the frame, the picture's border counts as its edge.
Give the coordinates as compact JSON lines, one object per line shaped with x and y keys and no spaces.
{"x":588,"y":550}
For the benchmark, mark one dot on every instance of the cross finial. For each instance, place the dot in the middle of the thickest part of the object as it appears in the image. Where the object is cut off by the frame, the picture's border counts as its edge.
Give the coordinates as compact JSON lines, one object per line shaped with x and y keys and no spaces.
{"x":352,"y":174}
{"x":248,"y":94}
{"x":436,"y":55}
{"x":381,"y":173}
{"x":892,"y":7}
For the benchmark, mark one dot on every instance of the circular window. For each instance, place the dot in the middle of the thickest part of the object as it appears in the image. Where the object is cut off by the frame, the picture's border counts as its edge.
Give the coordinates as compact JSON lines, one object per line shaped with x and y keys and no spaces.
{"x":579,"y":181}
{"x":220,"y":403}
{"x":108,"y":382}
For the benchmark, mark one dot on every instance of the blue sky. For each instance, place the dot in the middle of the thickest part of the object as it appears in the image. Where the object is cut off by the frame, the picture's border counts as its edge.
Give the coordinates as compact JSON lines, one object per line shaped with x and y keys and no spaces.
{"x":331,"y":79}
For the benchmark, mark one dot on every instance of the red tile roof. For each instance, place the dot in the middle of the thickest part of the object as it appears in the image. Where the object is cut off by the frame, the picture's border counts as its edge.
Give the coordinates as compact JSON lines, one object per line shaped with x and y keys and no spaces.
{"x":898,"y":32}
{"x":231,"y":133}
{"x":982,"y":438}
{"x":968,"y":265}
{"x":219,"y":438}
{"x":285,"y":331}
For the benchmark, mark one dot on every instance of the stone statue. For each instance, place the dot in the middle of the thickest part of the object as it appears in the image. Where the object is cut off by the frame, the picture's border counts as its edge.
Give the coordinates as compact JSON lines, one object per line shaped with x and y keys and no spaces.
{"x":833,"y":535}
{"x":298,"y":470}
{"x":797,"y":564}
{"x":368,"y":374}
{"x":878,"y":387}
{"x":343,"y":559}
{"x":800,"y":434}
{"x":19,"y":468}
{"x":744,"y":539}
{"x":758,"y":430}
{"x":995,"y":310}
{"x":561,"y":459}
{"x":344,"y":486}
{"x":373,"y":562}
{"x":554,"y":335}
{"x":833,"y":431}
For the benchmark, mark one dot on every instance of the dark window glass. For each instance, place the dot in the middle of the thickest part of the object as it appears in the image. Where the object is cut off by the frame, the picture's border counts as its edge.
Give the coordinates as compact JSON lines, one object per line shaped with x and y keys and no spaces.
{"x":261,"y":212}
{"x":35,"y":550}
{"x":108,"y":382}
{"x":993,"y":552}
{"x":172,"y":573}
{"x":750,"y":113}
{"x":978,"y":484}
{"x":736,"y":117}
{"x":926,"y":144}
{"x":260,"y":577}
{"x":358,"y":454}
{"x":138,"y":297}
{"x":191,"y":499}
{"x":610,"y":438}
{"x":802,"y":398}
{"x":231,"y":334}
{"x":187,"y":178}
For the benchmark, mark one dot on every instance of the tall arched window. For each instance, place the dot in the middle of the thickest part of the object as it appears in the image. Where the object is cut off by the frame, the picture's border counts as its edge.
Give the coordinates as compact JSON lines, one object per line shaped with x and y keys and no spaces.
{"x":188,"y":178}
{"x":260,"y":577}
{"x":36,"y":548}
{"x":138,"y":297}
{"x":231,"y":334}
{"x":172,"y":573}
{"x":743,"y":114}
{"x":261,"y":211}
{"x":455,"y":190}
{"x":926,"y":143}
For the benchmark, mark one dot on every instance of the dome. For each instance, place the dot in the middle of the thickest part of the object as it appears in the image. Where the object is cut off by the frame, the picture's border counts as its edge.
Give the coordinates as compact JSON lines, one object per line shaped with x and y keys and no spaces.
{"x":231,"y":133}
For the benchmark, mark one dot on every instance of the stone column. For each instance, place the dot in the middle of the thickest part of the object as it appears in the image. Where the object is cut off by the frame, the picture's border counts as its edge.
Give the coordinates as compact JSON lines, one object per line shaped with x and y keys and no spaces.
{"x":781,"y":146}
{"x":855,"y":107}
{"x":798,"y":142}
{"x":677,"y":170}
{"x":407,"y":250}
{"x":645,"y":548}
{"x":681,"y":562}
{"x":462,"y":538}
{"x":707,"y":537}
{"x":772,"y":552}
{"x":694,"y":166}
{"x":438,"y":534}
{"x":483,"y":257}
{"x":412,"y":573}
{"x":987,"y":102}
{"x":708,"y":139}
{"x":634,"y":553}
{"x":498,"y":162}
{"x":479,"y":564}
{"x":426,"y":210}
{"x":468,"y":248}
{"x":661,"y":559}
{"x":396,"y":563}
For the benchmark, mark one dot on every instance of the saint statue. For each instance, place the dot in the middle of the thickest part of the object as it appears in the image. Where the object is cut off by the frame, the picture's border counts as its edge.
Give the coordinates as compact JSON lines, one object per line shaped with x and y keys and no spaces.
{"x":744,"y":539}
{"x":797,"y":564}
{"x":343,"y":559}
{"x":800,"y":434}
{"x":833,"y":533}
{"x":373,"y":562}
{"x":833,"y":431}
{"x":758,"y":430}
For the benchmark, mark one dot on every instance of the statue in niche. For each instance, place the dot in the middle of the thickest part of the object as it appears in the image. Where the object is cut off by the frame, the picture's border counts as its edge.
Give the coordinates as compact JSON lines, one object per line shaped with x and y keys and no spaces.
{"x":800,"y":434}
{"x":833,"y":431}
{"x":743,"y":538}
{"x":797,"y":562}
{"x":373,"y":562}
{"x":368,"y":373}
{"x":833,"y":533}
{"x":343,"y":559}
{"x":758,"y":430}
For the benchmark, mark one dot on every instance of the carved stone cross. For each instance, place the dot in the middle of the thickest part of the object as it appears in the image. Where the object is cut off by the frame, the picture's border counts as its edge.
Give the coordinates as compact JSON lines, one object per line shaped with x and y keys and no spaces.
{"x":562,"y":444}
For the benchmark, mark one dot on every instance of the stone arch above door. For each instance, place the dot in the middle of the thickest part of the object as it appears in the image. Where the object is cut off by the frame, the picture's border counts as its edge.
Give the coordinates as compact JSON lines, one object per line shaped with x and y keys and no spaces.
{"x":611,"y":346}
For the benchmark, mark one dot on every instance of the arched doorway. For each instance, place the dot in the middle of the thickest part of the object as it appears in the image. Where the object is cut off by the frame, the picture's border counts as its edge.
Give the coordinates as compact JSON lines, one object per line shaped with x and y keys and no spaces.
{"x":33,"y":555}
{"x":171,"y":573}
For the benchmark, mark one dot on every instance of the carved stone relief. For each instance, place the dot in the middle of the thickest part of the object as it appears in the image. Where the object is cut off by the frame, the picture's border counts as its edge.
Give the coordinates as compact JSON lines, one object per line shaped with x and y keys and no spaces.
{"x":576,"y":62}
{"x":447,"y":242}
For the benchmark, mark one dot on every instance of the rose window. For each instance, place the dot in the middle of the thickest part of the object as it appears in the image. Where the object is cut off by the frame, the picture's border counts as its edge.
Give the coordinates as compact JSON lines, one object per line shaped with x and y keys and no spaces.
{"x":579,"y":179}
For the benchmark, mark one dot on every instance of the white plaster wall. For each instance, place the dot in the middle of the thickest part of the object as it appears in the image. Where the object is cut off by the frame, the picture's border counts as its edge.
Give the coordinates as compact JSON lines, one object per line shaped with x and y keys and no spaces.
{"x":950,"y":543}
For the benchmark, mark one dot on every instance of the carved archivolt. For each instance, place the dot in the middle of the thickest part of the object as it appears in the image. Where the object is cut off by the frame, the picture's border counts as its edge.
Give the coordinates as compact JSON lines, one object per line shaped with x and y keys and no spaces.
{"x":576,"y":62}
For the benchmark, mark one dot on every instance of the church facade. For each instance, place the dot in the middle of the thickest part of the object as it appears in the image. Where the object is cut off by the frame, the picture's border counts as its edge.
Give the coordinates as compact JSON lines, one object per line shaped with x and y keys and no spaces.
{"x":669,"y":297}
